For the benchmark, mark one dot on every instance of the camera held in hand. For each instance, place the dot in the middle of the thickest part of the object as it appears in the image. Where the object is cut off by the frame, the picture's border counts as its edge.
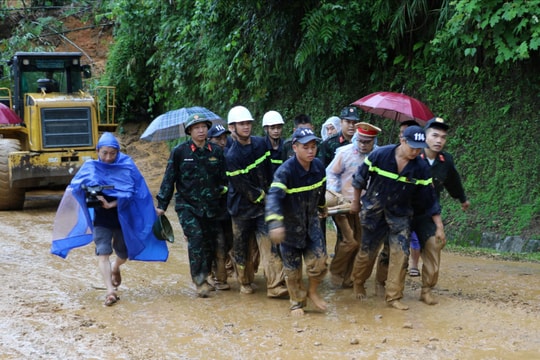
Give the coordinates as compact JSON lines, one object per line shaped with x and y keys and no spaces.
{"x":92,"y":192}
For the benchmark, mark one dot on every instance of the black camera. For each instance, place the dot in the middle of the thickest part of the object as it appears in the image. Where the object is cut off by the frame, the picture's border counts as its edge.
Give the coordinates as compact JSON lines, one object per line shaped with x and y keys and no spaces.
{"x":92,"y":193}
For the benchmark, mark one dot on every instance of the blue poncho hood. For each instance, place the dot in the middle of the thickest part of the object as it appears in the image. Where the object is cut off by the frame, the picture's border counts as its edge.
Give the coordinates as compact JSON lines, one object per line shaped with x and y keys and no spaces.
{"x":73,"y":222}
{"x":108,"y":139}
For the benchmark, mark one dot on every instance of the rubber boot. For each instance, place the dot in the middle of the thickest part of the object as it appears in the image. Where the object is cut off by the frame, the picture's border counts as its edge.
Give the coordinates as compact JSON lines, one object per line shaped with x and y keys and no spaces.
{"x":427,"y":297}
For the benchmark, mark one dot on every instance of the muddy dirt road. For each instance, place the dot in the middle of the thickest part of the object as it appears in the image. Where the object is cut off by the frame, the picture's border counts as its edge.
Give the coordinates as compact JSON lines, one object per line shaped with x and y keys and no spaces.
{"x":51,"y":308}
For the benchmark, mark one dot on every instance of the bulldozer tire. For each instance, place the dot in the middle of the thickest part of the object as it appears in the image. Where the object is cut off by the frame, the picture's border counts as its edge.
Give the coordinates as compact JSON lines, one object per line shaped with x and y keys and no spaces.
{"x":10,"y":198}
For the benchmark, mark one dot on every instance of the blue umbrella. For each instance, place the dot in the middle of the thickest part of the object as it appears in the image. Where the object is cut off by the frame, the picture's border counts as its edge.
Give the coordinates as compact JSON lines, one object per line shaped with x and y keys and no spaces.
{"x":170,"y":126}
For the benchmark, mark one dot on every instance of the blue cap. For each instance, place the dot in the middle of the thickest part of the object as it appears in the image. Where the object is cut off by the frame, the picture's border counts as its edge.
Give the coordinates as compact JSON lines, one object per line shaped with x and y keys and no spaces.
{"x":303,"y":136}
{"x":217,"y":130}
{"x":415,"y":137}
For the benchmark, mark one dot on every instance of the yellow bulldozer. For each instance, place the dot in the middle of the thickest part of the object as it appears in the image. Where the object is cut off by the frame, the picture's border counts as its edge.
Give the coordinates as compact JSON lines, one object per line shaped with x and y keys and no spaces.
{"x":49,"y":125}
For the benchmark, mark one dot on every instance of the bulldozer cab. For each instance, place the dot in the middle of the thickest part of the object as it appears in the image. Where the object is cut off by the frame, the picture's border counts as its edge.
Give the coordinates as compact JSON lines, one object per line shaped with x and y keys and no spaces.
{"x":45,"y":73}
{"x":60,"y":124}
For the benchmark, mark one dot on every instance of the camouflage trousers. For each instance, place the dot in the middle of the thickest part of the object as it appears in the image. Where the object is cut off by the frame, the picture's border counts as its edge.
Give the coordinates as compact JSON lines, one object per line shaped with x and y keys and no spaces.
{"x":201,"y":235}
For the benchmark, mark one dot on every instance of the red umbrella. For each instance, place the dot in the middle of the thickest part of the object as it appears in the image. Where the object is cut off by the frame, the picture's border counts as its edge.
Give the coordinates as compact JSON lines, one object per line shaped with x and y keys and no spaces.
{"x":8,"y":116}
{"x":395,"y":106}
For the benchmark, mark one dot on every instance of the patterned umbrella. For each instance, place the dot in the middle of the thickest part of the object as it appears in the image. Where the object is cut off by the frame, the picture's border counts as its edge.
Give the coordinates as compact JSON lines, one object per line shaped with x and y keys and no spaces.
{"x":395,"y":106}
{"x":170,"y":126}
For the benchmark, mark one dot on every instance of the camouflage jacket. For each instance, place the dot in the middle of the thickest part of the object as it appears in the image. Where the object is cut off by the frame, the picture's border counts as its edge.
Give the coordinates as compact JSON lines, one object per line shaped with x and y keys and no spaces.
{"x":199,"y":177}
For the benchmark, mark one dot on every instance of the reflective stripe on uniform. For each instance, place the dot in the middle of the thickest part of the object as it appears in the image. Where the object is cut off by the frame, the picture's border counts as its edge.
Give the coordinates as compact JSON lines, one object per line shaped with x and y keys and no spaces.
{"x":260,"y":198}
{"x":277,"y":161}
{"x":274,"y":217}
{"x":299,"y":189}
{"x":250,"y":166}
{"x":394,"y":176}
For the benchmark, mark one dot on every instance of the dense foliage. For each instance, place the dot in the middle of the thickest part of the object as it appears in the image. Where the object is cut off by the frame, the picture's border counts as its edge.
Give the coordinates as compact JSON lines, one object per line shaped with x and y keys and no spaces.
{"x":475,"y":63}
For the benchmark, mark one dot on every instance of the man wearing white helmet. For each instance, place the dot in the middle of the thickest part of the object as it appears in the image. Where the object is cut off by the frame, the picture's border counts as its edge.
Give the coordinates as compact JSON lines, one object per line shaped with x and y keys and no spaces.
{"x":273,"y":127}
{"x":249,"y":169}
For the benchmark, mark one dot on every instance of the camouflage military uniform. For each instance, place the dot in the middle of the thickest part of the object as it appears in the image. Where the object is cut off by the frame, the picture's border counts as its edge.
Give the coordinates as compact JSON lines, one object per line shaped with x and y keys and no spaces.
{"x":200,"y":180}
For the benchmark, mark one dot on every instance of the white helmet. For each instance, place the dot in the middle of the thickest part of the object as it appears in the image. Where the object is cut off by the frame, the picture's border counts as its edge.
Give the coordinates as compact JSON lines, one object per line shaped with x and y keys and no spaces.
{"x":238,"y":114}
{"x":272,"y":118}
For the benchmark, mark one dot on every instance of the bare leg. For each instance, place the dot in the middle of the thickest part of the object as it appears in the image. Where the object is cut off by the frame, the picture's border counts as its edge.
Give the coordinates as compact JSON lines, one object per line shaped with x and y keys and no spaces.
{"x":105,"y":269}
{"x":314,"y":296}
{"x":415,"y":256}
{"x":115,"y":270}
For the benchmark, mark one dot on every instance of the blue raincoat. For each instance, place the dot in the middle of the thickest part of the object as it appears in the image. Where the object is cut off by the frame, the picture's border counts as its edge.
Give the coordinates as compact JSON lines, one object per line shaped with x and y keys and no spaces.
{"x":73,"y":222}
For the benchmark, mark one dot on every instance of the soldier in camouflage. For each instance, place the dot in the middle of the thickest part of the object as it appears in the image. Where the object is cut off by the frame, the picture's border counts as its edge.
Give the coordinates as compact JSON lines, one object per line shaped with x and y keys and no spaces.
{"x":197,"y":169}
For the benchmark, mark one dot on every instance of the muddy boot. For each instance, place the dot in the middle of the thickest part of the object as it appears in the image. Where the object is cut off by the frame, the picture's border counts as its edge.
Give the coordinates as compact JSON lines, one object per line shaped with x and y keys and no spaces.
{"x":427,"y":297}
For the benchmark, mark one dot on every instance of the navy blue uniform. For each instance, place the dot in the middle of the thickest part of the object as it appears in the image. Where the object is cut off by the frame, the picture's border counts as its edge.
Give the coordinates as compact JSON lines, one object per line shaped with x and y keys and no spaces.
{"x":293,"y":202}
{"x":445,"y":176}
{"x":388,"y":206}
{"x":293,"y":199}
{"x":249,"y":169}
{"x":276,"y":155}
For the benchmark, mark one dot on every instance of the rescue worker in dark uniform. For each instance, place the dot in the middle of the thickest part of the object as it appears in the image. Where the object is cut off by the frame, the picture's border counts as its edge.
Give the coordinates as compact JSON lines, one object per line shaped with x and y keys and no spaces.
{"x":301,"y":121}
{"x":273,"y":127}
{"x":295,"y":198}
{"x":218,"y":135}
{"x":397,"y":183}
{"x":249,"y":171}
{"x":445,"y":176}
{"x":197,"y":169}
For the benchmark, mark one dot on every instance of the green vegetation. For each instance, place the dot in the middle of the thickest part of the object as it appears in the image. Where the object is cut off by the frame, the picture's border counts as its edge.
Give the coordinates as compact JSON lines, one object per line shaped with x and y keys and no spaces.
{"x":475,"y":63}
{"x":492,"y":254}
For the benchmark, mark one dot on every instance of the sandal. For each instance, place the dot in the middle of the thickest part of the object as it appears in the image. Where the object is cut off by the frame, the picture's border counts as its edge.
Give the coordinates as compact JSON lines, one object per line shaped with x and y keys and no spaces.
{"x":116,"y":278}
{"x":414,"y":272}
{"x":111,"y":299}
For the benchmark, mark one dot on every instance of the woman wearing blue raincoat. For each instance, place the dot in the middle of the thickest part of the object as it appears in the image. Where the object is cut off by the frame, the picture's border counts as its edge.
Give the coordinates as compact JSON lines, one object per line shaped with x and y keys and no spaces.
{"x":121,"y":217}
